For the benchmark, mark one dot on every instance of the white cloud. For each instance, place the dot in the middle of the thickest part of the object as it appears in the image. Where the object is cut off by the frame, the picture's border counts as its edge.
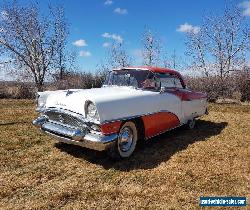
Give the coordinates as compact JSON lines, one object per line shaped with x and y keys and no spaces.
{"x":120,"y":11}
{"x":246,"y":6}
{"x":115,"y":37}
{"x":80,"y":43}
{"x":108,"y":2}
{"x":188,"y":28}
{"x":106,"y":44}
{"x":85,"y":53}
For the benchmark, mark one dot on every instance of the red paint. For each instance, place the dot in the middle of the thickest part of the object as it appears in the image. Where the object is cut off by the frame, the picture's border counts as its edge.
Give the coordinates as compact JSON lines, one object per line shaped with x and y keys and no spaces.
{"x":185,"y":95}
{"x":111,"y":128}
{"x":159,"y":122}
{"x":153,"y":124}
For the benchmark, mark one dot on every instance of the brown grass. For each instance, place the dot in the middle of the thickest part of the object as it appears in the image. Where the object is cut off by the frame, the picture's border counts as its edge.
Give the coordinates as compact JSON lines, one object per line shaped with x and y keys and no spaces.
{"x":170,"y":172}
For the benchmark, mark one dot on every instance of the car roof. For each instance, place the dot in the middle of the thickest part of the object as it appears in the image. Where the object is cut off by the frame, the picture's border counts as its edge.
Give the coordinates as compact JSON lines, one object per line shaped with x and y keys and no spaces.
{"x":150,"y":68}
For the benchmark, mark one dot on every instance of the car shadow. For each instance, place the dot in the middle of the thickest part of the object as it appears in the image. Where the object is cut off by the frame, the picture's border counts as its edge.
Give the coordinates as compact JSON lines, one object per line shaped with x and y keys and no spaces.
{"x":154,"y":151}
{"x":13,"y":123}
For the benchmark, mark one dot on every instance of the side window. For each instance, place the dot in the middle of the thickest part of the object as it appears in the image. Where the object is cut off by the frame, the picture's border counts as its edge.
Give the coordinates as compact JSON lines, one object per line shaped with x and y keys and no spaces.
{"x":177,"y":83}
{"x":171,"y":82}
{"x":167,"y":82}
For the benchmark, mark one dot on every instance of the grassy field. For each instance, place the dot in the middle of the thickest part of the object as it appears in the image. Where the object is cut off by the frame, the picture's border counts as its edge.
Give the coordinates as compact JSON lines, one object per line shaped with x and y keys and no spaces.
{"x":171,"y":171}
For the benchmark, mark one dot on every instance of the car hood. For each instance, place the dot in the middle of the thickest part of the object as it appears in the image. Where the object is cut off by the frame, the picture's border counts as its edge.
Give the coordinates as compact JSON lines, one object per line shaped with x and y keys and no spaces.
{"x":112,"y":102}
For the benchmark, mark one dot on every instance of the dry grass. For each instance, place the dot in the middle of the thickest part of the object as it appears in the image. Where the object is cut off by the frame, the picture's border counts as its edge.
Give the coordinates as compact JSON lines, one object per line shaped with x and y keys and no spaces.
{"x":170,"y":172}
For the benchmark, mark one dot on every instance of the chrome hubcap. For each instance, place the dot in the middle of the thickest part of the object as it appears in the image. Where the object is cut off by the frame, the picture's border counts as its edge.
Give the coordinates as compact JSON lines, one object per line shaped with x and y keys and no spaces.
{"x":125,"y":139}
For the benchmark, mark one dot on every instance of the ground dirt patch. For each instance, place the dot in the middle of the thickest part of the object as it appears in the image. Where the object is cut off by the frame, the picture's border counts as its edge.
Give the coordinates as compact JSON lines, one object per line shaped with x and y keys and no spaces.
{"x":170,"y":171}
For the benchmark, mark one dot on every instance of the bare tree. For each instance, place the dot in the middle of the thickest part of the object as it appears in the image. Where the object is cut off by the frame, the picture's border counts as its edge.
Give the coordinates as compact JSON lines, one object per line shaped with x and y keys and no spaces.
{"x":62,"y":58}
{"x":243,"y":83}
{"x":152,"y":48}
{"x":221,"y":43}
{"x":32,"y":40}
{"x":228,"y":41}
{"x":196,"y":48}
{"x":118,"y":57}
{"x":173,"y":61}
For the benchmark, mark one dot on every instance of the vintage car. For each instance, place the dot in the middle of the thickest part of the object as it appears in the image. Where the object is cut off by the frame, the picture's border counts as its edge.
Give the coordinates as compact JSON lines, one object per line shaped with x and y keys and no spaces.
{"x":134,"y":103}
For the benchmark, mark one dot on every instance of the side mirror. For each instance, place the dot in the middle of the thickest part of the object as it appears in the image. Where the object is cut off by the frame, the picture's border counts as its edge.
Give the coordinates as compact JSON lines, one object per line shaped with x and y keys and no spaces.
{"x":162,"y":90}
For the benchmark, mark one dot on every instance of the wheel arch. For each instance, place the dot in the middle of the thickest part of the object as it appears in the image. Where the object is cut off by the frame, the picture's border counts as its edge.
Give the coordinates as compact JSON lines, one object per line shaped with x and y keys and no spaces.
{"x":114,"y":127}
{"x":140,"y":127}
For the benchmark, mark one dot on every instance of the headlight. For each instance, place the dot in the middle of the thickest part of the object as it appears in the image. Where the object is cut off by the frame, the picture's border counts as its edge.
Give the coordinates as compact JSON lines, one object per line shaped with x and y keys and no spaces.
{"x":41,"y":101}
{"x":91,"y":111}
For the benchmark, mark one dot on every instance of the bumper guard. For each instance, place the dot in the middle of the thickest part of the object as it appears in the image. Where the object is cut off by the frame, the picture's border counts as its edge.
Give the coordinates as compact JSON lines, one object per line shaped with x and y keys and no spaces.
{"x":75,"y":136}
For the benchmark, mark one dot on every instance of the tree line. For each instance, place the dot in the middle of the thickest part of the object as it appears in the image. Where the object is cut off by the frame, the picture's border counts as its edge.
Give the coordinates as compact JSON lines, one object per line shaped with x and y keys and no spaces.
{"x":35,"y":46}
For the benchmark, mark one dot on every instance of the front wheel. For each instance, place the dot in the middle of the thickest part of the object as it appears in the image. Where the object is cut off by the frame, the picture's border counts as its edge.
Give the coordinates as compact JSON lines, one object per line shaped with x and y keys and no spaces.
{"x":126,"y":142}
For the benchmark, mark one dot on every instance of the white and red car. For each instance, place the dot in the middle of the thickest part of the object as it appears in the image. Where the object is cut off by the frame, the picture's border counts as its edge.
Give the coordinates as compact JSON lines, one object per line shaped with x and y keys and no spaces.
{"x":135,"y":103}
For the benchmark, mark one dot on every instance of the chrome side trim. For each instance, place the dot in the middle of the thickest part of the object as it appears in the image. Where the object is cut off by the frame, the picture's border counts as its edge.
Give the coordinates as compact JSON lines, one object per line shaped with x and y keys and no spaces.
{"x":84,"y":120}
{"x":136,"y":116}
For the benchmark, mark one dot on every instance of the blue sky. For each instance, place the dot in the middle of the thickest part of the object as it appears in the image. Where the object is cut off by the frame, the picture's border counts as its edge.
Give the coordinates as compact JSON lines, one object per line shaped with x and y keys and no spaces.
{"x":90,"y":19}
{"x":93,"y":20}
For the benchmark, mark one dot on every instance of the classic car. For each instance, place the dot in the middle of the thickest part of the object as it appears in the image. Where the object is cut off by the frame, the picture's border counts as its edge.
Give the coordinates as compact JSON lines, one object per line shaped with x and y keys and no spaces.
{"x":134,"y":103}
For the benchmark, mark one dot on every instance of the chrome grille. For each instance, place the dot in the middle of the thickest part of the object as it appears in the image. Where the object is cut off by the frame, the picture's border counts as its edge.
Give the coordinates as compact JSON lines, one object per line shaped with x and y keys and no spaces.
{"x":64,"y":118}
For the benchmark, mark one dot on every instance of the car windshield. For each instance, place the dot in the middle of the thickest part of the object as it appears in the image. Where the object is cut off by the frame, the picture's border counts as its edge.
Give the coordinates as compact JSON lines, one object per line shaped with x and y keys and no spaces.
{"x":142,"y":79}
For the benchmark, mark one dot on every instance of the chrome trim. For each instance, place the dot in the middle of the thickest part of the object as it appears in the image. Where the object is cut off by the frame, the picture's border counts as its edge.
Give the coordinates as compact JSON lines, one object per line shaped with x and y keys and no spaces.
{"x":87,"y":120}
{"x":83,"y":123}
{"x":40,"y":120}
{"x":136,"y":116}
{"x":73,"y":114}
{"x":65,"y":111}
{"x":65,"y":119}
{"x":40,"y":109}
{"x":89,"y":141}
{"x":130,"y":68}
{"x":125,"y":139}
{"x":76,"y":133}
{"x":76,"y":136}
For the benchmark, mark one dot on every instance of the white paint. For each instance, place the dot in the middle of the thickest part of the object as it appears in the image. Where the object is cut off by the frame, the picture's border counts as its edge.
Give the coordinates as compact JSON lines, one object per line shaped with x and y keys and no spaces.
{"x":123,"y":102}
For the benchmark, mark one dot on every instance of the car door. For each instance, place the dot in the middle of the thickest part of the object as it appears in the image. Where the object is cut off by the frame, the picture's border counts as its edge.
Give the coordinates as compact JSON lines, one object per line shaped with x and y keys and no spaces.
{"x":170,"y":95}
{"x":193,"y":104}
{"x":190,"y":103}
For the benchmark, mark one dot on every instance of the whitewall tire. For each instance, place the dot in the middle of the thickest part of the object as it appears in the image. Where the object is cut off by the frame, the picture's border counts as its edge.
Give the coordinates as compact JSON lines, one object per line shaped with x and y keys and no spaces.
{"x":126,"y":141}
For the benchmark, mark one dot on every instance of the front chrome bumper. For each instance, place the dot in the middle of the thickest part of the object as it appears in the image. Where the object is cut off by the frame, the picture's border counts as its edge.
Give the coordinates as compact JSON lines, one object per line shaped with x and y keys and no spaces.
{"x":75,"y":136}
